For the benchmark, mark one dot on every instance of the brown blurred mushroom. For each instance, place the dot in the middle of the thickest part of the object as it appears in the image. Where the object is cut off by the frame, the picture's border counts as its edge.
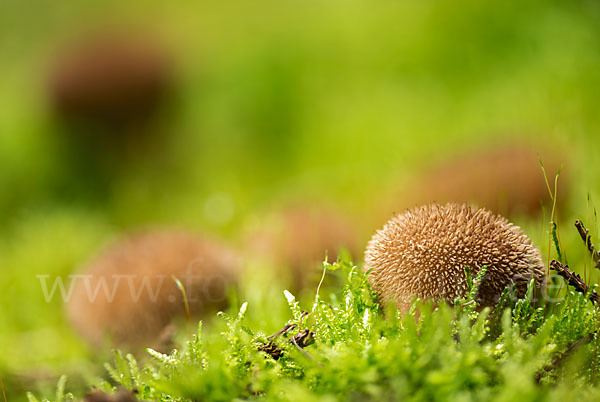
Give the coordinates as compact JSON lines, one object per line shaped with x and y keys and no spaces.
{"x":127,"y":293}
{"x":296,"y":239}
{"x":504,"y":178}
{"x":109,"y":84}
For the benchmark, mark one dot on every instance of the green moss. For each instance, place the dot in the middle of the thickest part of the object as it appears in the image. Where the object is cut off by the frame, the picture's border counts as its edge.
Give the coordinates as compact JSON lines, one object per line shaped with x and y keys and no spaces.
{"x":441,"y":353}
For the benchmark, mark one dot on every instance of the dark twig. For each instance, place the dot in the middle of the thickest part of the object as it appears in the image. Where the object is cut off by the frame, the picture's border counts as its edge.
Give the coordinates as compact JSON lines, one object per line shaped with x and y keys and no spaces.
{"x":271,"y":349}
{"x":282,"y":331}
{"x":303,"y":338}
{"x":587,"y":239}
{"x":574,"y":280}
{"x":558,"y":360}
{"x":300,"y":340}
{"x":304,"y":352}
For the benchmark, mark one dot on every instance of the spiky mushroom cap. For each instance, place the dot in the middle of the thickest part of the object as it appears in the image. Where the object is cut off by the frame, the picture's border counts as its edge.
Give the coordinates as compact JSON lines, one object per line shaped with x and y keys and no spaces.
{"x":424,"y":251}
{"x":127,"y":293}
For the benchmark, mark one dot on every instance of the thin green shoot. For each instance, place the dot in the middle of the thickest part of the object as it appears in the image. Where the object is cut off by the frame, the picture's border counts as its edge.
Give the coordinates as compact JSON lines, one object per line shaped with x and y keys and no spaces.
{"x":186,"y":304}
{"x":3,"y":391}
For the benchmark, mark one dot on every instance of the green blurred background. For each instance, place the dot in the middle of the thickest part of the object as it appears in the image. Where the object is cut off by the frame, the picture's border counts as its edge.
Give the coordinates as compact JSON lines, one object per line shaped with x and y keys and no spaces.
{"x":332,"y":102}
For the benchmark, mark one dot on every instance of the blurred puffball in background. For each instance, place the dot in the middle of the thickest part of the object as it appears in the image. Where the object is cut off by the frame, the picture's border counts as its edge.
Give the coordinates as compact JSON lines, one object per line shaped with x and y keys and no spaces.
{"x":112,"y":80}
{"x":128,"y":294}
{"x":295,"y":239}
{"x":506,"y":178}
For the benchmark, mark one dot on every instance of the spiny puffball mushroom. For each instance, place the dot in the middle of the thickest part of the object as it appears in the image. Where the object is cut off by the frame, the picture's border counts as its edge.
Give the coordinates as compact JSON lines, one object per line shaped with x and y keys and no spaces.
{"x":128,"y":296}
{"x":423,"y":253}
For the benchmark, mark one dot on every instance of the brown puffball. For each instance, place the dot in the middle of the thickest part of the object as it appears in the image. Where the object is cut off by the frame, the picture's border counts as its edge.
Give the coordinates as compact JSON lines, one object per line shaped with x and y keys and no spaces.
{"x":423,"y":253}
{"x":128,"y":296}
{"x":505,"y":178}
{"x":295,"y":240}
{"x":110,"y":83}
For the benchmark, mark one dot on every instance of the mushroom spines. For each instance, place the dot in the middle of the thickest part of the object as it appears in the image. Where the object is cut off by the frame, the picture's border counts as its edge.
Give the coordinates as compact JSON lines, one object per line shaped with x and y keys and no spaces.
{"x":424,"y":251}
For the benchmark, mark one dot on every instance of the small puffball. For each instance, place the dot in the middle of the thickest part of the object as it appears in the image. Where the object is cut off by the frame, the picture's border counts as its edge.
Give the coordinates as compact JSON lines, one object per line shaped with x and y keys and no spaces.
{"x":110,"y":79}
{"x":506,"y":179}
{"x":127,"y":294}
{"x":295,"y":240}
{"x":423,"y":253}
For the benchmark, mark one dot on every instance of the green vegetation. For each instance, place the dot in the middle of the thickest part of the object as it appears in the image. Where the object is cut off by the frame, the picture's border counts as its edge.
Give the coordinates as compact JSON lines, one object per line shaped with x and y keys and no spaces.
{"x":330,"y":101}
{"x":362,"y":353}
